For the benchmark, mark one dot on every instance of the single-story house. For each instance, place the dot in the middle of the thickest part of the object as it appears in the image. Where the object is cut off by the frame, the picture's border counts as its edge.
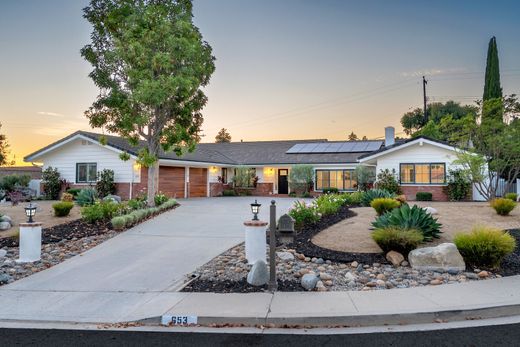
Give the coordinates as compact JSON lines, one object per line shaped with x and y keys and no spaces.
{"x":421,"y":164}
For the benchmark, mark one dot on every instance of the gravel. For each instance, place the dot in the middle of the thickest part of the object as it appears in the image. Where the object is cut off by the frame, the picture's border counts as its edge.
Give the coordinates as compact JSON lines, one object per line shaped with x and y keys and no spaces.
{"x":227,"y":272}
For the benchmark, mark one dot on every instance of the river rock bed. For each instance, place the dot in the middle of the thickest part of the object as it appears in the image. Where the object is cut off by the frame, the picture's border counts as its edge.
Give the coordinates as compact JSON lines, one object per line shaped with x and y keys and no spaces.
{"x":227,"y":272}
{"x":52,"y":254}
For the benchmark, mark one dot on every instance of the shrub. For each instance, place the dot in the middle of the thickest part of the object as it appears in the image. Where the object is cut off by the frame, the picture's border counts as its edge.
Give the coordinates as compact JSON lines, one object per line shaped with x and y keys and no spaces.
{"x":67,"y":197}
{"x":105,"y":184}
{"x":511,"y":196}
{"x":160,"y":199}
{"x":503,"y":206}
{"x":118,"y":223}
{"x":62,"y":209}
{"x":292,"y":194}
{"x":330,"y":191}
{"x":306,"y":195}
{"x":383,"y":205}
{"x":424,"y":196}
{"x":73,"y":191}
{"x":100,"y":211}
{"x":387,"y":180}
{"x":458,"y":187}
{"x":329,"y":203}
{"x":228,"y":192}
{"x":372,"y":194}
{"x":406,"y":218}
{"x":129,"y":220}
{"x":303,"y":214}
{"x":168,"y":204}
{"x":401,"y":199}
{"x":9,"y":183}
{"x":485,"y":246}
{"x":397,"y":239}
{"x":51,"y":183}
{"x":355,"y":198}
{"x":86,"y":197}
{"x":136,"y":203}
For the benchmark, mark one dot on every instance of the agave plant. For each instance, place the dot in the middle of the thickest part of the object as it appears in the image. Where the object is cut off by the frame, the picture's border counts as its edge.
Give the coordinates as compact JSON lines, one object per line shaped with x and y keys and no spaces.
{"x":372,"y":194}
{"x":406,"y":217}
{"x":86,"y":197}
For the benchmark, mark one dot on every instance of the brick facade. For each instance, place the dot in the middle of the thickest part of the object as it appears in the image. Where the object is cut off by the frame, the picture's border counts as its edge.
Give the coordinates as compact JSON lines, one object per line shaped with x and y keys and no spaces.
{"x":217,"y":188}
{"x":438,"y":193}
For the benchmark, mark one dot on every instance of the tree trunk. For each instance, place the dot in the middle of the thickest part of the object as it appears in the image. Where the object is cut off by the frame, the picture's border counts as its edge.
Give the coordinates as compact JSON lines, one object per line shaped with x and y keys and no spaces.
{"x":153,"y":182}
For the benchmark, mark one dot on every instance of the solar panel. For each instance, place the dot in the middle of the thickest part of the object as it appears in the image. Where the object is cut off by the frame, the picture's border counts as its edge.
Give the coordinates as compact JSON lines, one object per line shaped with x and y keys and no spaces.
{"x":335,"y":147}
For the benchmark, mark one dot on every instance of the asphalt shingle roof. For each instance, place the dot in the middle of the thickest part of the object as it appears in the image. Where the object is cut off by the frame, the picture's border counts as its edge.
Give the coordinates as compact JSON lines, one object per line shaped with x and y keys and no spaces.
{"x":234,"y":153}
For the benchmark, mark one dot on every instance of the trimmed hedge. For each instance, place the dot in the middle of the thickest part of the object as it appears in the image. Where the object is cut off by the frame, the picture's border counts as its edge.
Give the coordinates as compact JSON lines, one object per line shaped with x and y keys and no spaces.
{"x":136,"y":216}
{"x":62,"y":209}
{"x":424,"y":196}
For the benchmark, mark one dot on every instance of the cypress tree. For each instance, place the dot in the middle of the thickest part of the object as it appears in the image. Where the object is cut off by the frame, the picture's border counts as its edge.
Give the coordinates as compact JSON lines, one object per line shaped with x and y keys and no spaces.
{"x":492,"y":87}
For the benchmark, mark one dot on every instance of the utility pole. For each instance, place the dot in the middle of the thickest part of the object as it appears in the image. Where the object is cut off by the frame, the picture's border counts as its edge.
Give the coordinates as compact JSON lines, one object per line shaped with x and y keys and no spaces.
{"x":424,"y":82}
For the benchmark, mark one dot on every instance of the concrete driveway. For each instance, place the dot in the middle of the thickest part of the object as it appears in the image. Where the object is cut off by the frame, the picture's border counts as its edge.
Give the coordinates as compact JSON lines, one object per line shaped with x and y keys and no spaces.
{"x":125,"y":274}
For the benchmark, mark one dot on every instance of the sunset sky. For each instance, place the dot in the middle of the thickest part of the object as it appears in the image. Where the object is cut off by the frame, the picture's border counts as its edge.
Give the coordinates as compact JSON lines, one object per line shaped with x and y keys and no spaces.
{"x":285,"y":69}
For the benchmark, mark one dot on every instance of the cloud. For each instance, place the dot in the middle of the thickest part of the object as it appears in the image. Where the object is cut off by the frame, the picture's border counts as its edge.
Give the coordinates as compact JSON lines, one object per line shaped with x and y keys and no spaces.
{"x":62,"y":128}
{"x":53,"y":114}
{"x":432,"y":72}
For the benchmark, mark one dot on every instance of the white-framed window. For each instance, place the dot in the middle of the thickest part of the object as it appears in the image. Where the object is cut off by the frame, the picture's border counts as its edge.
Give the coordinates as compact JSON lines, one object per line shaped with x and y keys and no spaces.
{"x":86,"y":172}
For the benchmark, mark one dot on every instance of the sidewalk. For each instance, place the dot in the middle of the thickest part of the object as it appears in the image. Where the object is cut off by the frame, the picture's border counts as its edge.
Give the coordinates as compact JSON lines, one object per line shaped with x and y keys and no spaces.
{"x":454,"y":302}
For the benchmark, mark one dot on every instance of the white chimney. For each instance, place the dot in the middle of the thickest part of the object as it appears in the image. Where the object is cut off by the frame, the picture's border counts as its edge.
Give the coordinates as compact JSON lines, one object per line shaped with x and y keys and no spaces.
{"x":389,"y":136}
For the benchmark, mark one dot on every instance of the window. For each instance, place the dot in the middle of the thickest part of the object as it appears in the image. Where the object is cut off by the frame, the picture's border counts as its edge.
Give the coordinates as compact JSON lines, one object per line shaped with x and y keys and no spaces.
{"x":423,"y":173}
{"x":224,"y":175}
{"x":340,"y":179}
{"x":86,"y":172}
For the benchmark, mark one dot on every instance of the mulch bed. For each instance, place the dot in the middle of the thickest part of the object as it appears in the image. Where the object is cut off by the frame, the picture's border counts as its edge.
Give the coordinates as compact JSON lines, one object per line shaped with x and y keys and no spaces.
{"x":510,"y":266}
{"x":75,"y":229}
{"x":241,"y":286}
{"x":303,"y":244}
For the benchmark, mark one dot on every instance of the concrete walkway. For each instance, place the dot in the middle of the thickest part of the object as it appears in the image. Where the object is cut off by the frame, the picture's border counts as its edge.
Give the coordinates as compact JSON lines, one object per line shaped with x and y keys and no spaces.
{"x":127,"y":273}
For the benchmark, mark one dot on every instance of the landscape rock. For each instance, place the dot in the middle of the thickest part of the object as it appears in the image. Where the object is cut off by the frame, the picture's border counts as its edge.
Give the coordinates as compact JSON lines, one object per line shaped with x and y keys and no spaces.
{"x":309,"y":281}
{"x":319,"y":261}
{"x":443,"y":258}
{"x":354,"y":264}
{"x":325,"y":276}
{"x":4,"y":278}
{"x":483,"y":274}
{"x":6,"y":218}
{"x":285,"y":256}
{"x":5,"y":226}
{"x":3,"y":252}
{"x":431,"y":210}
{"x":349,"y":277}
{"x":395,"y":258}
{"x":320,"y":287}
{"x":259,"y":274}
{"x":114,"y":198}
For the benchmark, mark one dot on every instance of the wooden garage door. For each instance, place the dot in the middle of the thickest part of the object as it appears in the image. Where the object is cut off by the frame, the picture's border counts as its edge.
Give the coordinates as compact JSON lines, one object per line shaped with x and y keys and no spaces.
{"x":171,"y":181}
{"x":198,"y":182}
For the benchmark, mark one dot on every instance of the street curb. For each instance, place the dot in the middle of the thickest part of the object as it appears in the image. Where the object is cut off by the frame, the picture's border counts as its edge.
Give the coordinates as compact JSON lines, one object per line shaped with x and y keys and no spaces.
{"x":360,"y":320}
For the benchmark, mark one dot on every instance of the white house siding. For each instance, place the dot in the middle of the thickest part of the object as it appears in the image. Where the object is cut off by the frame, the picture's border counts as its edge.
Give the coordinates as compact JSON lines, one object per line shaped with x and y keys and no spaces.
{"x":416,"y":154}
{"x":77,"y":151}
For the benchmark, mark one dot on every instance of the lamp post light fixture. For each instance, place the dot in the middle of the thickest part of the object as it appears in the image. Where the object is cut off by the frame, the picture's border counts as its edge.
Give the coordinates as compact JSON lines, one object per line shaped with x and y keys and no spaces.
{"x":30,"y":211}
{"x":255,"y":208}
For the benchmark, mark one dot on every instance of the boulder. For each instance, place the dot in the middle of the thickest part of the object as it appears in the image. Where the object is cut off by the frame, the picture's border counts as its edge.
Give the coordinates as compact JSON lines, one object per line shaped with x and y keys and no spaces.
{"x":259,"y":275}
{"x":3,"y":253}
{"x":285,"y":256}
{"x":431,"y":210}
{"x":395,"y":258}
{"x":442,"y":258}
{"x":4,"y":226}
{"x":4,"y":278}
{"x":114,"y":198}
{"x":6,"y":219}
{"x":309,"y":281}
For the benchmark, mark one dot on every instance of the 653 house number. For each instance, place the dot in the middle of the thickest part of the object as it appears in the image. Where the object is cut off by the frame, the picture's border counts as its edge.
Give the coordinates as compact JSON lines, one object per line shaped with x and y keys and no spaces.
{"x":178,"y":320}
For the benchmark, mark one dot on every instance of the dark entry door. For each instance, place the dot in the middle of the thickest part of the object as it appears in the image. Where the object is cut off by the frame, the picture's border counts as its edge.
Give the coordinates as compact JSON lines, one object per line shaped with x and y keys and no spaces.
{"x":283,"y":185}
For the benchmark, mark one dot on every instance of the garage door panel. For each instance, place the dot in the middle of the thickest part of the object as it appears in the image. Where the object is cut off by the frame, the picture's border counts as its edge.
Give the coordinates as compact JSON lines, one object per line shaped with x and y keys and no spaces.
{"x":171,"y":181}
{"x":198,"y":182}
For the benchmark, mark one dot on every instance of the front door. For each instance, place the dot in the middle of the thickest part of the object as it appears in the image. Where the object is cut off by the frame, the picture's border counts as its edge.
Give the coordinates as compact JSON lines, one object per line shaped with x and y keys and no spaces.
{"x":283,"y":185}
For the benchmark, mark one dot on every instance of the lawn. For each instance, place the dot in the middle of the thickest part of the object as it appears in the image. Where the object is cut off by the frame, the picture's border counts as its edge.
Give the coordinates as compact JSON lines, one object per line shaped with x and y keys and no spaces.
{"x":353,"y":234}
{"x":44,"y":214}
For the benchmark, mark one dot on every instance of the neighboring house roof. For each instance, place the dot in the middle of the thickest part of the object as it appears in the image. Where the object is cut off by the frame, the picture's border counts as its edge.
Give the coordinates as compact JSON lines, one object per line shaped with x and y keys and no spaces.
{"x":234,"y":153}
{"x":403,"y":144}
{"x":34,"y":171}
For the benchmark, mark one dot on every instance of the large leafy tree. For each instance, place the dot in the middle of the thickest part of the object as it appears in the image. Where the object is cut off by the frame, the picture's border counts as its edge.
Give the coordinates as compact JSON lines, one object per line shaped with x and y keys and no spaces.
{"x":150,"y":63}
{"x":492,"y":88}
{"x":4,"y":150}
{"x":223,"y":136}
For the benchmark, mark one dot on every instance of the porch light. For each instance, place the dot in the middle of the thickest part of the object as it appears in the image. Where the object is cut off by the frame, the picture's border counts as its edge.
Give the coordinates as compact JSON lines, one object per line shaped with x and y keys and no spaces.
{"x":255,"y":209}
{"x":30,"y":211}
